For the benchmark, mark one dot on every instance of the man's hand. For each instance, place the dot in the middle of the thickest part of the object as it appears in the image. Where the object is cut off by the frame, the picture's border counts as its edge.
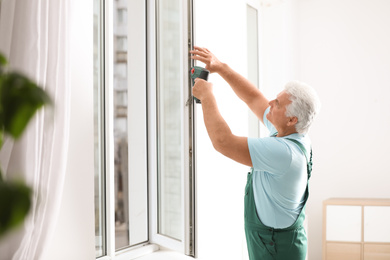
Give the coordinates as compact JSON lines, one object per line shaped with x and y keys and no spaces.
{"x":202,"y":89}
{"x":205,"y":56}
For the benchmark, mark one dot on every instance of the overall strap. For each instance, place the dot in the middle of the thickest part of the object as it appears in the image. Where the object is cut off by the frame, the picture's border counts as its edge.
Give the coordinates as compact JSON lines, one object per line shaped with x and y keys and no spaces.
{"x":308,"y":161}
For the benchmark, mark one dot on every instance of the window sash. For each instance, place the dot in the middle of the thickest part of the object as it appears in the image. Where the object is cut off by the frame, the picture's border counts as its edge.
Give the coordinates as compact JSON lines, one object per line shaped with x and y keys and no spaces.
{"x":136,"y":125}
{"x":143,"y":133}
{"x":187,"y":242}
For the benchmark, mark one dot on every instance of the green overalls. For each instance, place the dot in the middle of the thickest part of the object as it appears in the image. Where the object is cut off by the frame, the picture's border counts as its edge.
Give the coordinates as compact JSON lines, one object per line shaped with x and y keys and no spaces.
{"x":266,"y":243}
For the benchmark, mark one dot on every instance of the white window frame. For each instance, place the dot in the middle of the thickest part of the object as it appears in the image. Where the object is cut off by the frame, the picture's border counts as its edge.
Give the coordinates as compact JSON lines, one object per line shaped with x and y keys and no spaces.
{"x":137,"y":136}
{"x":256,"y":129}
{"x":142,"y":134}
{"x":109,"y":122}
{"x":187,"y":245}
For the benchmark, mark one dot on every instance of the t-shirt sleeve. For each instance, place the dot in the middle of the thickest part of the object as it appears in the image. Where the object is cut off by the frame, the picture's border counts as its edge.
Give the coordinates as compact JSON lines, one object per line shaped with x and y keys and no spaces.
{"x":269,"y":154}
{"x":268,"y":124}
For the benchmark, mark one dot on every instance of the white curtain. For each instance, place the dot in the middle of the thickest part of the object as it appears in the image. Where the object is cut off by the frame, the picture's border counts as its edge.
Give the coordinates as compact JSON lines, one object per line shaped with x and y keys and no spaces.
{"x":34,"y":36}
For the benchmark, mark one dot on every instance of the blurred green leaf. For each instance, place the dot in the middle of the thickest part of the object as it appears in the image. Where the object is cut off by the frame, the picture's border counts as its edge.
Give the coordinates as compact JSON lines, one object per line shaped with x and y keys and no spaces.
{"x":3,"y":60}
{"x":20,"y":98}
{"x":14,"y":204}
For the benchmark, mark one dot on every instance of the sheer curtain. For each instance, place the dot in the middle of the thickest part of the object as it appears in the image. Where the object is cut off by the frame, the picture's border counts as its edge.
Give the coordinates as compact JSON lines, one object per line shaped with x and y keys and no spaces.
{"x":34,"y":36}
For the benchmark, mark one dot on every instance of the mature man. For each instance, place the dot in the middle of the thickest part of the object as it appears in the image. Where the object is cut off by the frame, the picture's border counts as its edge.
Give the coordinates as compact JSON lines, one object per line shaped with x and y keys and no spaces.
{"x":276,"y":190}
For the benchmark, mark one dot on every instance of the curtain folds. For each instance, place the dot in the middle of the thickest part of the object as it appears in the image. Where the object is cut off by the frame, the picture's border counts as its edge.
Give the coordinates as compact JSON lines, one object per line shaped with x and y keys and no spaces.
{"x":34,"y":36}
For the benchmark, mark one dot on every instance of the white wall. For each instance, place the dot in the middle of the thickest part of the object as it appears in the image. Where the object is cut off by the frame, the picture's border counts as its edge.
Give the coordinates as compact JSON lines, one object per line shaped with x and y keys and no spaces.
{"x":278,"y":45}
{"x":344,"y":53}
{"x":74,"y":234}
{"x":221,"y":27}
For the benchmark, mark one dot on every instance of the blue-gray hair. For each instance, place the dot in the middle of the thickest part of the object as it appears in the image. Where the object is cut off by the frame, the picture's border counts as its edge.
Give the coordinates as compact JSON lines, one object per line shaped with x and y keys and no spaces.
{"x":304,"y":105}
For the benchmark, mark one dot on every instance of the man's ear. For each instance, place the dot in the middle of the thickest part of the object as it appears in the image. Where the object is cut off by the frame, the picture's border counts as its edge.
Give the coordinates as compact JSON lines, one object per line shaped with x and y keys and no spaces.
{"x":292,"y":121}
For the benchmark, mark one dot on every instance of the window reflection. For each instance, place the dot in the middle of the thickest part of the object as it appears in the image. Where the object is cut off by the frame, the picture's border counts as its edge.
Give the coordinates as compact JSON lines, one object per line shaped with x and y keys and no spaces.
{"x":120,"y":125}
{"x":170,"y":135}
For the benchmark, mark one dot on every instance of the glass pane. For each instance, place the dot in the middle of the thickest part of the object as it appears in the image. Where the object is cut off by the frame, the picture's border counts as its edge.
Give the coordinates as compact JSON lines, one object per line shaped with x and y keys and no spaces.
{"x":120,"y":125}
{"x":98,"y":126}
{"x":169,"y":108}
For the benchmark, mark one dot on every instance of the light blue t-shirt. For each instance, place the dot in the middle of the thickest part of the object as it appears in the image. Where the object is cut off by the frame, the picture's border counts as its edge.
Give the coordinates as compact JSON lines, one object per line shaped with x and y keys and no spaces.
{"x":279,"y":176}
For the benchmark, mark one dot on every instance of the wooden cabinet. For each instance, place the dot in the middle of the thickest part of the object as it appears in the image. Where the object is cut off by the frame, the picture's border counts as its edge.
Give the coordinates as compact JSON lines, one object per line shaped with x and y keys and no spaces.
{"x":356,"y":229}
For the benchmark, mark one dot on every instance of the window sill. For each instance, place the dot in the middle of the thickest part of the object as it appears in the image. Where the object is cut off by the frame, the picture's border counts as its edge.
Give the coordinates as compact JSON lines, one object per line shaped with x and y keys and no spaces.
{"x":150,"y":252}
{"x":165,"y":255}
{"x":136,"y":253}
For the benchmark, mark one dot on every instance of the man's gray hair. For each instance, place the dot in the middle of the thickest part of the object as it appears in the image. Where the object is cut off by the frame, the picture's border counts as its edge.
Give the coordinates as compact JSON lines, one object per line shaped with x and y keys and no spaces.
{"x":304,"y":105}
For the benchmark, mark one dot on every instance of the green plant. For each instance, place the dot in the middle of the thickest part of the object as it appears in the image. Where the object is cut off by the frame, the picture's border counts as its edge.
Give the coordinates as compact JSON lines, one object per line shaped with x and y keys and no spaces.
{"x":20,"y":98}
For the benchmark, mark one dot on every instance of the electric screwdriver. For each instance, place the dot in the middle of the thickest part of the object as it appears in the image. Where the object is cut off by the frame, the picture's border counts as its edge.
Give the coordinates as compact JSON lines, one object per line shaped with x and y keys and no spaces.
{"x":199,"y":72}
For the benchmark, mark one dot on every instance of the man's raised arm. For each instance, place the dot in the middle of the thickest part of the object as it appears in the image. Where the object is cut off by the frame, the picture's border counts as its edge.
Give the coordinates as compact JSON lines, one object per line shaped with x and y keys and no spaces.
{"x":243,"y":88}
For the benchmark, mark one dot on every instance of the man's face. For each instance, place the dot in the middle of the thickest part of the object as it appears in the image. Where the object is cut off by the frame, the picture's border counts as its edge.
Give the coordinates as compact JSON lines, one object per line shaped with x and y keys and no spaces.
{"x":277,"y":114}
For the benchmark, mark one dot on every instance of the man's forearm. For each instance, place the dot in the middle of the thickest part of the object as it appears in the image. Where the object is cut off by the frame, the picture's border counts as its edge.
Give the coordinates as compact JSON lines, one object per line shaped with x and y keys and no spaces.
{"x":243,"y":88}
{"x":223,"y":140}
{"x":216,"y":126}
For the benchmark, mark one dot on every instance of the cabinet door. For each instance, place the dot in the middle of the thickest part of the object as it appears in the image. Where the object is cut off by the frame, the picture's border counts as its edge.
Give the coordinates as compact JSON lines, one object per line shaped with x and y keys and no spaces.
{"x":377,"y":224}
{"x":376,"y":252}
{"x":344,"y":251}
{"x":343,"y":223}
